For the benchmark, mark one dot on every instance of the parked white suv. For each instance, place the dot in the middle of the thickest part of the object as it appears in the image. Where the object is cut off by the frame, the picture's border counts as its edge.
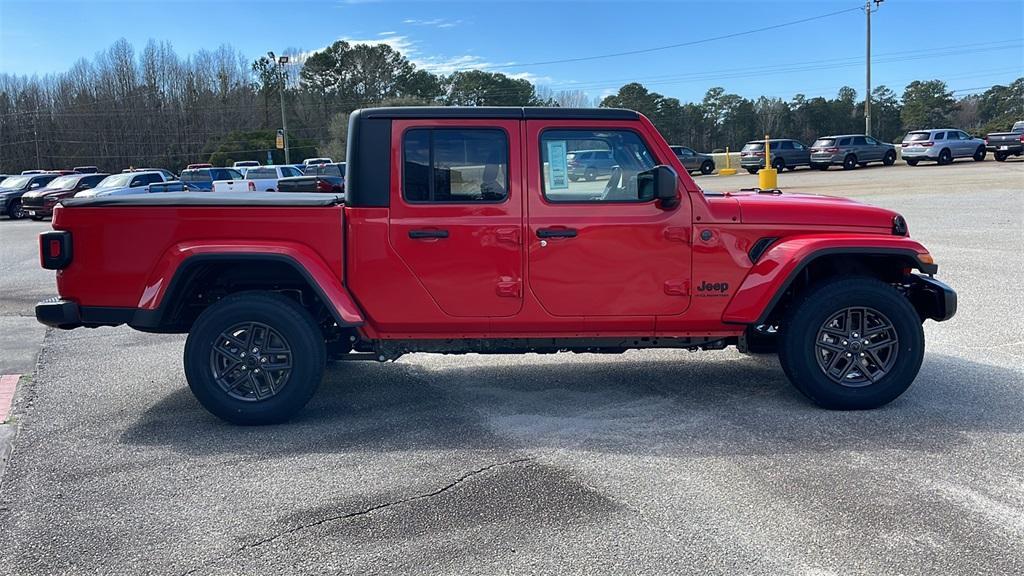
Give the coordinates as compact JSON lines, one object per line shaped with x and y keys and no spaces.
{"x":260,"y":178}
{"x":126,"y":183}
{"x":311,"y":161}
{"x":942,"y":146}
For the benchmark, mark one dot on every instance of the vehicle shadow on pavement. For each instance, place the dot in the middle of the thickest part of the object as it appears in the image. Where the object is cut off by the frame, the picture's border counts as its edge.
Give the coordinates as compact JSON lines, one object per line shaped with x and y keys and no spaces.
{"x":710,"y":406}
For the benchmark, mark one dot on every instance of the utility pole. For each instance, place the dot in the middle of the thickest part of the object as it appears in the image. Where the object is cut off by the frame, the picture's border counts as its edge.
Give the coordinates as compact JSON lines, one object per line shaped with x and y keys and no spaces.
{"x":867,"y":94}
{"x":281,"y":62}
{"x":35,"y":137}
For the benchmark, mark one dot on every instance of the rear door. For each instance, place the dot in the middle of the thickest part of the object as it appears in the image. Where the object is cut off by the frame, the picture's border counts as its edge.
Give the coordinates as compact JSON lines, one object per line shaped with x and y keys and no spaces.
{"x":593,"y":248}
{"x":456,"y":217}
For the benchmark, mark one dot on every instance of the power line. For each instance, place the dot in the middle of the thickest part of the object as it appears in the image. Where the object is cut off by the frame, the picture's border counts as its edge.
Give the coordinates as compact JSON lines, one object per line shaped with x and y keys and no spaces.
{"x":680,"y":44}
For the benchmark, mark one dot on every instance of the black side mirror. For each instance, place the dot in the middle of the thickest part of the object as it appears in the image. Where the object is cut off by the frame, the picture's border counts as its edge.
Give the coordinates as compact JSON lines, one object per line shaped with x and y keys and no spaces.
{"x":658,"y":183}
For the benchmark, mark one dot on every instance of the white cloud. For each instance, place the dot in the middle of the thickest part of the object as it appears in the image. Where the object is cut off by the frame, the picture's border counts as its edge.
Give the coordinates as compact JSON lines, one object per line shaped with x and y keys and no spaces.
{"x":388,"y":33}
{"x":436,"y":22}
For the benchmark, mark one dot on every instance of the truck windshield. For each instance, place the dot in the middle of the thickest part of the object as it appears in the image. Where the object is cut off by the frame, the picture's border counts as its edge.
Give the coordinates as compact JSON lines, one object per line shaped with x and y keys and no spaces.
{"x":116,"y":180}
{"x":15,"y":182}
{"x":64,"y":182}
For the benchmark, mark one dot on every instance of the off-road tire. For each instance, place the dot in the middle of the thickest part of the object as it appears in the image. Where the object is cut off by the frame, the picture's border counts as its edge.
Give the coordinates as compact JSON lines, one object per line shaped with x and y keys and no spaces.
{"x":283,"y":315}
{"x":802,"y":326}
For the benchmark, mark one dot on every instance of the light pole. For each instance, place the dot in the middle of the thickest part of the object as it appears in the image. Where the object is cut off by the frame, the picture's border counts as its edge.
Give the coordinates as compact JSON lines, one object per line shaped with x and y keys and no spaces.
{"x":284,"y":121}
{"x":867,"y":95}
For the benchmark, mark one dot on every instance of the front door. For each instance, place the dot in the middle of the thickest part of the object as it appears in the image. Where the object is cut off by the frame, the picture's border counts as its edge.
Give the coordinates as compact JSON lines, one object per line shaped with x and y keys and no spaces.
{"x":593,"y":248}
{"x":456,"y":218}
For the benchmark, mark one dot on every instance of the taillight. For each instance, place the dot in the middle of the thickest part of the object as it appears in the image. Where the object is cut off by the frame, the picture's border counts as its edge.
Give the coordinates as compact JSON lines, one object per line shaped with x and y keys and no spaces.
{"x":831,"y":150}
{"x":760,"y":154}
{"x":927,"y":144}
{"x":252,"y":186}
{"x":1021,"y":139}
{"x":323,"y":186}
{"x":55,"y":249}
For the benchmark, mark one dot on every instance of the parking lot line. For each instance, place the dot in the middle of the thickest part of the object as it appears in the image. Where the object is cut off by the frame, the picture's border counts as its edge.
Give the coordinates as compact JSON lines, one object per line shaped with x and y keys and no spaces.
{"x":8,"y":384}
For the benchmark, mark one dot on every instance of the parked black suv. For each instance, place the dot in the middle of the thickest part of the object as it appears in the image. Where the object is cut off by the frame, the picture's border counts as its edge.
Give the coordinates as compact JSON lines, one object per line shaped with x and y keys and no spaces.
{"x":14,"y":187}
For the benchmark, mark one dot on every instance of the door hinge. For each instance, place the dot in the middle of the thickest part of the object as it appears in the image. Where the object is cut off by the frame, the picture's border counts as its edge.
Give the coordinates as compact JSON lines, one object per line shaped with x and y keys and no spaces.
{"x":677,"y":287}
{"x":508,"y":235}
{"x":508,"y":289}
{"x":678,"y":234}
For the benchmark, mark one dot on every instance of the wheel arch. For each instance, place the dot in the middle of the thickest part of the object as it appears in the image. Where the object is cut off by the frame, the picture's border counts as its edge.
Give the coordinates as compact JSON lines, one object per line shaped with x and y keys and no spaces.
{"x":212,"y":274}
{"x":787,"y":268}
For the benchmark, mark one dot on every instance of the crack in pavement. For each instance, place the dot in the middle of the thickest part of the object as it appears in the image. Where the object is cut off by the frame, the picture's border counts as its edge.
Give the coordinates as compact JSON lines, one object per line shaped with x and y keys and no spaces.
{"x":355,"y":514}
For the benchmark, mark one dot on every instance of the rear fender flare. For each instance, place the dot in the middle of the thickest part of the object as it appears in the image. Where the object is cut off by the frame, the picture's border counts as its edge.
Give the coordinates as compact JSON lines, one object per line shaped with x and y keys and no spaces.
{"x":772,"y":273}
{"x":178,"y":259}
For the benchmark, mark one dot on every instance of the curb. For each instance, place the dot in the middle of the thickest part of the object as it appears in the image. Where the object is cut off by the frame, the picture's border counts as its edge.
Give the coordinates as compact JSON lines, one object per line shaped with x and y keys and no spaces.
{"x":8,"y":386}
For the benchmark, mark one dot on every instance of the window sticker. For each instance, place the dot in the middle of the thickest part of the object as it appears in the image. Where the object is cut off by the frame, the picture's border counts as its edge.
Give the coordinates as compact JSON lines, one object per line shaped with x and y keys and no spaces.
{"x":558,"y":167}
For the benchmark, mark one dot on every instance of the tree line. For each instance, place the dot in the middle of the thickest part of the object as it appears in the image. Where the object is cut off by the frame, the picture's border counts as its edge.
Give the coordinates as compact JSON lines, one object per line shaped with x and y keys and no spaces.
{"x":155,"y":108}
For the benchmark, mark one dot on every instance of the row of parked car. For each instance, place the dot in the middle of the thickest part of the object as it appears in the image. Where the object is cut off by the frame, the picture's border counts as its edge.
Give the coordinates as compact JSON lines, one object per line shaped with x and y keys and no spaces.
{"x":940,"y":145}
{"x":34,"y":193}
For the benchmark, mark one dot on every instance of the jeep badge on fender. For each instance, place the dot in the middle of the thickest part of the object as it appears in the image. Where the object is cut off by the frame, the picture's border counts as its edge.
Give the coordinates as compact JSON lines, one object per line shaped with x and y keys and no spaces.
{"x":497,"y":230}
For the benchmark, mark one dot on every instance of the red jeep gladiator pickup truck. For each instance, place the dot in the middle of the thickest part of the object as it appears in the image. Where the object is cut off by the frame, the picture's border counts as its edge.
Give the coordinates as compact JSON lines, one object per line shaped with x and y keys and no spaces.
{"x":461,"y":231}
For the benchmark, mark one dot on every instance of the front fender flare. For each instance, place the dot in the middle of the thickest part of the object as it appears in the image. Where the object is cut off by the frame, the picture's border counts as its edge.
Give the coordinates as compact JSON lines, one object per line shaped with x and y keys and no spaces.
{"x":772,"y":273}
{"x":177,"y":259}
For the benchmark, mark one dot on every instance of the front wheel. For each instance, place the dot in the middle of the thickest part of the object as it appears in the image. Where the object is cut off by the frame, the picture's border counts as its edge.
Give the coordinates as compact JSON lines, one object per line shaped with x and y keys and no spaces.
{"x":889,"y":159}
{"x":14,"y":210}
{"x":853,"y":343}
{"x":979,"y":154}
{"x":254,"y":358}
{"x":707,"y":167}
{"x":590,"y":175}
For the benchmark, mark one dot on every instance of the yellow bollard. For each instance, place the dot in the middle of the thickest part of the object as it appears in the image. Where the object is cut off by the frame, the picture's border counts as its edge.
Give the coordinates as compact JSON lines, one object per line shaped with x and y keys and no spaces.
{"x":767,"y":177}
{"x":728,"y":170}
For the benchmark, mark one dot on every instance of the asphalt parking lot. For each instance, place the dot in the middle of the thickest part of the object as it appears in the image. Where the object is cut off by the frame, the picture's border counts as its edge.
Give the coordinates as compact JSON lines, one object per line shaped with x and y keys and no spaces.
{"x":654,"y":462}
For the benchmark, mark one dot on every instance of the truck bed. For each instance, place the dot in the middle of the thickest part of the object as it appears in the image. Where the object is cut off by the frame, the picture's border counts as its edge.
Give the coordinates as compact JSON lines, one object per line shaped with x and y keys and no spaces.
{"x":210,"y":199}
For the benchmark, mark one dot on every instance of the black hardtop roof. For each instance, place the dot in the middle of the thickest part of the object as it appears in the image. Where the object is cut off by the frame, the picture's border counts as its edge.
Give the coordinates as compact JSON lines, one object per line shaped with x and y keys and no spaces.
{"x":498,"y":112}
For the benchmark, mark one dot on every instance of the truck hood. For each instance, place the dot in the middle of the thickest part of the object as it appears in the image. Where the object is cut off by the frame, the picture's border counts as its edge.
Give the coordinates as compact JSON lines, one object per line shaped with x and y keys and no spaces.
{"x":808,"y":209}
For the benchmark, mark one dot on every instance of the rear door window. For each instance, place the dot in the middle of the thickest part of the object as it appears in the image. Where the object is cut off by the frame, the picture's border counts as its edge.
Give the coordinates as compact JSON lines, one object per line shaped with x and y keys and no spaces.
{"x":455,"y":165}
{"x":785,"y":145}
{"x":939,"y":136}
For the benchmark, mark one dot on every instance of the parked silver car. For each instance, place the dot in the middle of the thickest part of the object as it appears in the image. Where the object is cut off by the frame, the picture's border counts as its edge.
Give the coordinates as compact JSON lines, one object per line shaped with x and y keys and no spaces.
{"x":850,"y":151}
{"x":786,"y":153}
{"x":694,"y":161}
{"x":941,"y":145}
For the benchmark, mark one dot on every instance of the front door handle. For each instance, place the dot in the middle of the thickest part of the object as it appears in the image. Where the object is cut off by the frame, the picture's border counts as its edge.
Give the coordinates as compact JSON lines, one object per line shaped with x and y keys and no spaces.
{"x":556,"y":233}
{"x":421,"y":234}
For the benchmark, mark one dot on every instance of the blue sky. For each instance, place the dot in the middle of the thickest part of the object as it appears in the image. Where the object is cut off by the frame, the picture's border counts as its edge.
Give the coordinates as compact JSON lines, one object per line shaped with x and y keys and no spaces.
{"x":970,"y":44}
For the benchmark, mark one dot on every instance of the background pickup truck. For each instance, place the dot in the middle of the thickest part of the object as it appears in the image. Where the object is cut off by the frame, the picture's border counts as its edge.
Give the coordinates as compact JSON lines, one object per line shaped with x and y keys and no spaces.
{"x":1005,"y":144}
{"x":317,"y":178}
{"x":260,"y":178}
{"x":461,"y":231}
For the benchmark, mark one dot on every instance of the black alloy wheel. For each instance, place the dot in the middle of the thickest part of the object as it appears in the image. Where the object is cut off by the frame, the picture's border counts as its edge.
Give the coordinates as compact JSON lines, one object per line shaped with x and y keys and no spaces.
{"x":856,"y":346}
{"x":251,"y":361}
{"x":707,"y":167}
{"x":890,"y":158}
{"x":979,"y":154}
{"x":945,"y":157}
{"x":850,"y":162}
{"x":15,"y":211}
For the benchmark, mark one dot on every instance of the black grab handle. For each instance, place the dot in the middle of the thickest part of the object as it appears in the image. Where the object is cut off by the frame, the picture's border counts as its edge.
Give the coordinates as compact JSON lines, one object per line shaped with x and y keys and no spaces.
{"x":556,"y":233}
{"x":417,"y":234}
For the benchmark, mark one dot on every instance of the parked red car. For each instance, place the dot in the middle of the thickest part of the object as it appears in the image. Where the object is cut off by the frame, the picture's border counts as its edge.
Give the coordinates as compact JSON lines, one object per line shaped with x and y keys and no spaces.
{"x":39,"y":204}
{"x":461,"y":231}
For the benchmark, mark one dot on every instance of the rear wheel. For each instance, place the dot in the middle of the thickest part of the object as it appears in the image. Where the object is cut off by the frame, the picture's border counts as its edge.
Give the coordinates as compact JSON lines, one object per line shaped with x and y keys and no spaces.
{"x":707,"y":167}
{"x":979,"y":154}
{"x":1001,"y":157}
{"x":821,"y":167}
{"x":752,"y":170}
{"x":852,"y":343}
{"x":850,"y":162}
{"x":14,"y":210}
{"x":254,"y":358}
{"x":945,"y":157}
{"x":890,"y":158}
{"x":912,"y":162}
{"x":590,"y":175}
{"x":779,"y":164}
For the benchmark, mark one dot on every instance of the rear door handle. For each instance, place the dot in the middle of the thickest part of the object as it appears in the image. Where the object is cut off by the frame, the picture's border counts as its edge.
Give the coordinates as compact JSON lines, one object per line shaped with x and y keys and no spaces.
{"x":556,"y":233}
{"x":420,"y":234}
